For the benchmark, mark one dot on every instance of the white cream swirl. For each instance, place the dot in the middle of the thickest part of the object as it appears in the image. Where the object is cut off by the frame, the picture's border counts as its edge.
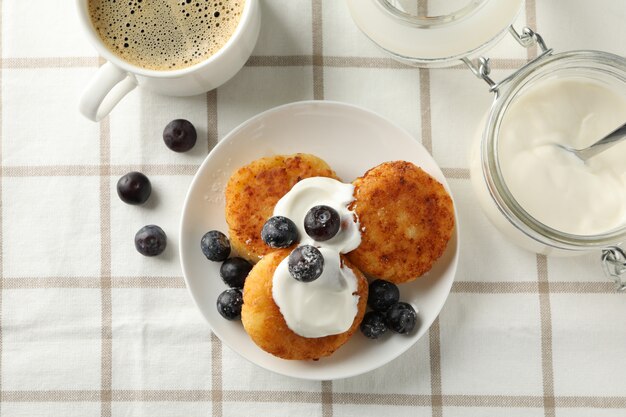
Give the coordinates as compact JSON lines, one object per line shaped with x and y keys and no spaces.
{"x":319,"y":308}
{"x":316,"y":191}
{"x":329,"y":304}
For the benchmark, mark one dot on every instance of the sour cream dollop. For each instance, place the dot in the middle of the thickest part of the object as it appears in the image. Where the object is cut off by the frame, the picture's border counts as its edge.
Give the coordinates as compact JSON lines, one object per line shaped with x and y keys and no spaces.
{"x":316,"y":191}
{"x":319,"y":308}
{"x":329,"y":304}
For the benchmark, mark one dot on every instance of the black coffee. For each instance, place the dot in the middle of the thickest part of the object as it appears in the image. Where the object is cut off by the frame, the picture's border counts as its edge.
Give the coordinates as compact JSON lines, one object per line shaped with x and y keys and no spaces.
{"x":165,"y":34}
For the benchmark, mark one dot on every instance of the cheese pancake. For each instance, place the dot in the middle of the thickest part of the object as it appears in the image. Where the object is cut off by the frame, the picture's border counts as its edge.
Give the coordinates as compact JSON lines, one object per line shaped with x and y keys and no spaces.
{"x":406,"y":218}
{"x":265,"y":324}
{"x":253,"y":191}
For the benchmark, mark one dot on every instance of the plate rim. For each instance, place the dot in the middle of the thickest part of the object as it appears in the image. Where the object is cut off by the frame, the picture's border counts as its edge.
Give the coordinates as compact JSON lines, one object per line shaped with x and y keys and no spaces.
{"x":223,"y":142}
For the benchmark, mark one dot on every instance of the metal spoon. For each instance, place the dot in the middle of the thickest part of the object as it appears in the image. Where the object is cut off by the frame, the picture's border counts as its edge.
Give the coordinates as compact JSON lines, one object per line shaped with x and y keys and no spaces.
{"x":600,"y":146}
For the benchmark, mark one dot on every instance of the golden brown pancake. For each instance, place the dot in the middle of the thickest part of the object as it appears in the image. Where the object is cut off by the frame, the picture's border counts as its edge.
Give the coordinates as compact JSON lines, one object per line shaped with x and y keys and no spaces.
{"x":265,"y":324}
{"x":253,"y":191}
{"x":406,"y":218}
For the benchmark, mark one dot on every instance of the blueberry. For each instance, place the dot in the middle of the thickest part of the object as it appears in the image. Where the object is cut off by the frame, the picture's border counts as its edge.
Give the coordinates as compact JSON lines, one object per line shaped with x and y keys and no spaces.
{"x":401,"y":318}
{"x":179,"y":135}
{"x":134,"y":188}
{"x":382,"y":295}
{"x":234,"y":272}
{"x":373,"y":325}
{"x":215,"y":246}
{"x":279,"y":232}
{"x":322,"y":223}
{"x":229,"y":304}
{"x":150,"y":240}
{"x":306,"y":263}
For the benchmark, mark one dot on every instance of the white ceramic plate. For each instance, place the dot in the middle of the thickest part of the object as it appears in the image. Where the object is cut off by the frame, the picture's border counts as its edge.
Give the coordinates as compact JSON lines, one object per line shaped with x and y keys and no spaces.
{"x":352,"y":140}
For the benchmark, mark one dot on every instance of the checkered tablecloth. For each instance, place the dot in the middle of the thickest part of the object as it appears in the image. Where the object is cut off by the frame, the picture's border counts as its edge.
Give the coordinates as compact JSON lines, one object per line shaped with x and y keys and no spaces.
{"x":90,"y":328}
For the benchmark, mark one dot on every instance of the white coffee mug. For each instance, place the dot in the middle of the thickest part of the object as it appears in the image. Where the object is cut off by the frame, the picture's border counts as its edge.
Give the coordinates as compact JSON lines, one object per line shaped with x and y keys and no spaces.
{"x":116,"y":78}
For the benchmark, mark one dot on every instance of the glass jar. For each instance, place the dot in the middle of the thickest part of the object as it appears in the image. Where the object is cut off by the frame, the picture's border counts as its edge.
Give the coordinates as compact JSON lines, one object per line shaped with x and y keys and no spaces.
{"x":446,"y":32}
{"x":488,"y":181}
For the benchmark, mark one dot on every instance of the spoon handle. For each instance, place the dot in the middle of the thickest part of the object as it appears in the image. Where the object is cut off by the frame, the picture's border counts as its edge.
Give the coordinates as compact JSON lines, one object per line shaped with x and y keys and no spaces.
{"x":611,"y":139}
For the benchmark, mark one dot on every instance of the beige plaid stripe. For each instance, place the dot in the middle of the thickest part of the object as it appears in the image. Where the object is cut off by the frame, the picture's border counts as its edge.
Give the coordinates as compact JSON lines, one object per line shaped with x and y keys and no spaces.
{"x":105,"y":268}
{"x":436,"y":400}
{"x":318,"y":50}
{"x":24,"y":283}
{"x":531,"y":21}
{"x":280,"y":61}
{"x":456,"y":173}
{"x":546,"y":337}
{"x":1,"y":207}
{"x":422,"y":8}
{"x":427,"y":134}
{"x":216,"y":376}
{"x":216,"y":396}
{"x":318,"y":94}
{"x":398,"y":400}
{"x":533,"y":287}
{"x":95,"y":170}
{"x":327,"y":398}
{"x":260,"y":61}
{"x":211,"y":109}
{"x":435,"y":369}
{"x":460,"y":287}
{"x":52,"y":62}
{"x":545,"y":313}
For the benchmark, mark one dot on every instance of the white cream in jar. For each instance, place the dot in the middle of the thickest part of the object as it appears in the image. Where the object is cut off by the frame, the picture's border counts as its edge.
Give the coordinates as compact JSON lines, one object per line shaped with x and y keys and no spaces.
{"x":551,"y":184}
{"x":329,"y":304}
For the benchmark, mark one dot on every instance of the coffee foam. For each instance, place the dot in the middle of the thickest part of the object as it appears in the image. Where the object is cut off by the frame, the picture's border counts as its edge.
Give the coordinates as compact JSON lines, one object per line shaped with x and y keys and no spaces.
{"x":165,"y":34}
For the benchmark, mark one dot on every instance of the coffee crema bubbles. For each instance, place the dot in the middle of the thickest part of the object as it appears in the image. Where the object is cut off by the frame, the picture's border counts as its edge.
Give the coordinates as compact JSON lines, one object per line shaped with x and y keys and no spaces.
{"x":165,"y":34}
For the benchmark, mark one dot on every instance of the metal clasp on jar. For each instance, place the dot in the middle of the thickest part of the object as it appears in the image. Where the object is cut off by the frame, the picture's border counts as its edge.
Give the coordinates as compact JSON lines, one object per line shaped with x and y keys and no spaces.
{"x":480,"y":67}
{"x":614,"y":265}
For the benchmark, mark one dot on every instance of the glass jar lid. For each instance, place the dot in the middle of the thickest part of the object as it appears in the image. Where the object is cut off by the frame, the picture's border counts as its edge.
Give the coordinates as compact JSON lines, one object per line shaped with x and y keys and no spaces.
{"x":434,"y":33}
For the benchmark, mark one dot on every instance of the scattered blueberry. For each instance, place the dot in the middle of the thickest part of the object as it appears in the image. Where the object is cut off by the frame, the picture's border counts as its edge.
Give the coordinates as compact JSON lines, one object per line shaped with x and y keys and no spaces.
{"x":229,"y":304}
{"x":382,"y":295}
{"x":373,"y":325}
{"x":401,"y":317}
{"x":134,"y":188}
{"x":322,"y":223}
{"x":234,"y":272}
{"x":279,"y":232}
{"x":150,"y":240}
{"x":215,"y":246}
{"x":306,"y":263}
{"x":179,"y":135}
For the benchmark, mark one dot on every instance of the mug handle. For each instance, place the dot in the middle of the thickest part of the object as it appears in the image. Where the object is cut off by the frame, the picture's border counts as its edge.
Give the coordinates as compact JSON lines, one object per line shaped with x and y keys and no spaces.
{"x":105,"y":90}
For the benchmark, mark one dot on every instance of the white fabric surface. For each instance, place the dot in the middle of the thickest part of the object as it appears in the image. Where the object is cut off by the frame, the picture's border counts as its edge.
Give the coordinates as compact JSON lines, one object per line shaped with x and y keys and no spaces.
{"x":91,"y":328}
